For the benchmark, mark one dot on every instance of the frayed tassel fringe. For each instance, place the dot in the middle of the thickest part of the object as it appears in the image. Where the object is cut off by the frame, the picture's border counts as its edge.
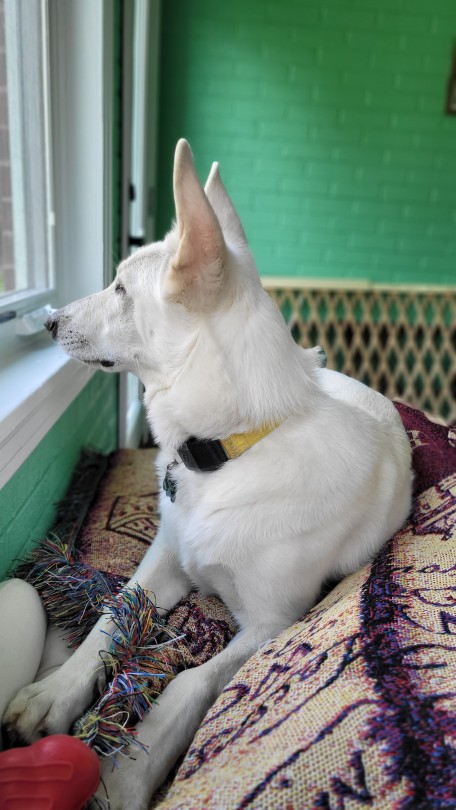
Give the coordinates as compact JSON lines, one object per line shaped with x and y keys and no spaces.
{"x":74,"y":594}
{"x":143,"y":657}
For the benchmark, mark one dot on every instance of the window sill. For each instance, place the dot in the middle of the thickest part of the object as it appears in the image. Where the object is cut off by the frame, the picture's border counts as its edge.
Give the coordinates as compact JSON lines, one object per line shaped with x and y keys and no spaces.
{"x":38,"y":384}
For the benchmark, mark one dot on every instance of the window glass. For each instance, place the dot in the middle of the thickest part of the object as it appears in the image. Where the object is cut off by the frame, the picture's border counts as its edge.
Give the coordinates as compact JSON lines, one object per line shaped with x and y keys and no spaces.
{"x":25,"y":211}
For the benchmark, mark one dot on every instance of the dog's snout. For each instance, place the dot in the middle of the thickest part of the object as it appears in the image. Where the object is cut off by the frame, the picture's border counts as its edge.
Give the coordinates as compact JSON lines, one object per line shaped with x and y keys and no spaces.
{"x":52,"y":325}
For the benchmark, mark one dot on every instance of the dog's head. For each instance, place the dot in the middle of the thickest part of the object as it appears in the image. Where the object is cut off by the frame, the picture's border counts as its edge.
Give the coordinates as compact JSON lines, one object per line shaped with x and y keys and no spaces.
{"x":190,"y":318}
{"x":139,"y":322}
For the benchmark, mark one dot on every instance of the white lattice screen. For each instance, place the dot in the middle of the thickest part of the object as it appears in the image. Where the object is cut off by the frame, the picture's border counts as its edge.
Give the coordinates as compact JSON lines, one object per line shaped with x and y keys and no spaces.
{"x":401,"y":342}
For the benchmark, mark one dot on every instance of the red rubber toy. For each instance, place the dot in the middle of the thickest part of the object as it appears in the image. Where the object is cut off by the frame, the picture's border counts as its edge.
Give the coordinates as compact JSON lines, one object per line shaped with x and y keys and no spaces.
{"x":55,"y":773}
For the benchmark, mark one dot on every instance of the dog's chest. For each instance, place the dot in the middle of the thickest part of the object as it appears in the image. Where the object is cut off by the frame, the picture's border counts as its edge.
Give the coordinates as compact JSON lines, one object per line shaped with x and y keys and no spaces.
{"x":206,"y":566}
{"x":204,"y":551}
{"x":209,"y":575}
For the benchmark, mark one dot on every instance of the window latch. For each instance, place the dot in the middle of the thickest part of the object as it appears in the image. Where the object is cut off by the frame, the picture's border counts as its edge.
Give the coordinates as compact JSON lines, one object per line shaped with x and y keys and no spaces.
{"x":32,"y":322}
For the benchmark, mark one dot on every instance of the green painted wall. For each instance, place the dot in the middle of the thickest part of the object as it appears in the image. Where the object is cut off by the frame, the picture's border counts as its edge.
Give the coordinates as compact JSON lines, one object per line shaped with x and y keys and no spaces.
{"x":27,"y":501}
{"x":327,"y":119}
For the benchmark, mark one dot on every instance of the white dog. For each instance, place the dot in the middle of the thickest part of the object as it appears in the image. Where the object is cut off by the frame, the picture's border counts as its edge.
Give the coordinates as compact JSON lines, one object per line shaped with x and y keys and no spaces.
{"x":312,"y":469}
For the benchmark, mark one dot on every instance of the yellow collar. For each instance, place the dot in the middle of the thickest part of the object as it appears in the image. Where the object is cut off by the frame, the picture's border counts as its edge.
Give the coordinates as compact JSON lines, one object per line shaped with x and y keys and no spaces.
{"x":238,"y":443}
{"x":207,"y":455}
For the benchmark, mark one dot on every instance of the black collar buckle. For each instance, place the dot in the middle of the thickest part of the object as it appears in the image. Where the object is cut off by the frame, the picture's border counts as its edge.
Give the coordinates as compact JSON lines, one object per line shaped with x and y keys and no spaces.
{"x":202,"y":455}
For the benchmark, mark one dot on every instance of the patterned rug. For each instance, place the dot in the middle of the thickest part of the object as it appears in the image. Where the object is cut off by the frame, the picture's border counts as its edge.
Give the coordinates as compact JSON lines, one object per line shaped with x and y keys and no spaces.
{"x":354,"y":705}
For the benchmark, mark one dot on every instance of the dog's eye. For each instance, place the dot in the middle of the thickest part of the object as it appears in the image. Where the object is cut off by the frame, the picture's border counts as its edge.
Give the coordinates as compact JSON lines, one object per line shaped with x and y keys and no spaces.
{"x":120,"y":289}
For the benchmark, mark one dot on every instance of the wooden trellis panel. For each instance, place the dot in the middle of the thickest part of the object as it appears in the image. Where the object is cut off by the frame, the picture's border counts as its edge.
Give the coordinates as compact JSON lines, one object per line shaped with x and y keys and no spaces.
{"x":401,"y":342}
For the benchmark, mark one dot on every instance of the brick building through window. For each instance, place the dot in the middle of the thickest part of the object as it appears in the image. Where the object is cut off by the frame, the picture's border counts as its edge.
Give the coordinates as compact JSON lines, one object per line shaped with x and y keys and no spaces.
{"x":7,"y":276}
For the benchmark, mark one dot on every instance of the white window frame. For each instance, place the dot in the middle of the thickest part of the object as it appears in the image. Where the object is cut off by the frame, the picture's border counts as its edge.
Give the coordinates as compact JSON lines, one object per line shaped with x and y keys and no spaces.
{"x":37,"y":380}
{"x":28,"y":111}
{"x":141,"y":26}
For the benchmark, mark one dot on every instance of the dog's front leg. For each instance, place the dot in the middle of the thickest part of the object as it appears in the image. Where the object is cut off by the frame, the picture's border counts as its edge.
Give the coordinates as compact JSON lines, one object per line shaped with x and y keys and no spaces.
{"x":171,"y":724}
{"x":51,"y":705}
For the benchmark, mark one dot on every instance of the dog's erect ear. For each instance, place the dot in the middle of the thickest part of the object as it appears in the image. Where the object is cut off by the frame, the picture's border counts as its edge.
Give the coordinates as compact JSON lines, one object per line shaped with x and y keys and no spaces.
{"x":223,"y":207}
{"x":195,"y":276}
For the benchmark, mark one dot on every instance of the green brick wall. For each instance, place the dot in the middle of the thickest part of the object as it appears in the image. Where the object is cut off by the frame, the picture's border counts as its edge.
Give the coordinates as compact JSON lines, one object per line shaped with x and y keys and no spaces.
{"x":27,"y":501}
{"x":327,"y":119}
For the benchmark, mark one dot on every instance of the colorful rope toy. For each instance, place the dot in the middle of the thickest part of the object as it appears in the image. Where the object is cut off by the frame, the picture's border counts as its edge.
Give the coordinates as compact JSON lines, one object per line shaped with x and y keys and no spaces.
{"x":144,"y":654}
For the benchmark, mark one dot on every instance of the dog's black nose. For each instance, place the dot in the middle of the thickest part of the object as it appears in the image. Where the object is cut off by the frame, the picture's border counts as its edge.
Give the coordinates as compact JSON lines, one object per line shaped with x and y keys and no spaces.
{"x":52,"y":325}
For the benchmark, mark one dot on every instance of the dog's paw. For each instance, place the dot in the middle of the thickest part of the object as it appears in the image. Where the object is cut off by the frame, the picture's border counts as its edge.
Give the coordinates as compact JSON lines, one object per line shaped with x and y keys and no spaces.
{"x":46,"y":707}
{"x":25,"y":718}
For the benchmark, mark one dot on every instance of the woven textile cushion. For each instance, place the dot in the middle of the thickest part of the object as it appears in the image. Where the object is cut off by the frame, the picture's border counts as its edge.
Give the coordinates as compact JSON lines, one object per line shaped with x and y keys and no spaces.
{"x":124,"y":518}
{"x":355,"y":705}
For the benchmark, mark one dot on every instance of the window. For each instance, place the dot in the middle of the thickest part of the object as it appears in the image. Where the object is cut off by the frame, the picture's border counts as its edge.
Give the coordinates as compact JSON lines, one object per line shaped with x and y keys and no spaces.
{"x":26,"y":217}
{"x":56,"y":118}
